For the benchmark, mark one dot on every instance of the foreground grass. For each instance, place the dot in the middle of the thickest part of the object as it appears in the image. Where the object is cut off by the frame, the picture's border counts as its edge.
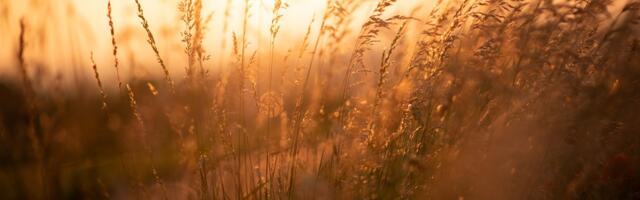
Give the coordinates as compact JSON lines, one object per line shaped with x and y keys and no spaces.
{"x":472,"y":99}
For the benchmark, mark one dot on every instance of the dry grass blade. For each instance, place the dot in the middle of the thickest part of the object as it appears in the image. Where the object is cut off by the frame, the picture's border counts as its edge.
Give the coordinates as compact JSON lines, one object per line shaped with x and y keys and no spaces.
{"x":103,"y":95}
{"x":152,"y":42}
{"x":116,"y":63}
{"x":367,"y":103}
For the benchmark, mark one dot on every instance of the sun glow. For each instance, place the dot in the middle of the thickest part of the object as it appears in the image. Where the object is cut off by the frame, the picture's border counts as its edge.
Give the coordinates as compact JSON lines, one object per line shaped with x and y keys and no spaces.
{"x":75,"y":27}
{"x":351,"y":99}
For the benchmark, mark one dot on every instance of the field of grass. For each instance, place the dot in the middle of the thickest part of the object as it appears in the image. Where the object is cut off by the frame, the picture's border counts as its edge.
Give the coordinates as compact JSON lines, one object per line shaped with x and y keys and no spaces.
{"x":367,"y":99}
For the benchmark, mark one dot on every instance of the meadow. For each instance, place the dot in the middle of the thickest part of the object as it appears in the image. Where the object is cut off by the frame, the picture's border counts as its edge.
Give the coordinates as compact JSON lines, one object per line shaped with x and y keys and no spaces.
{"x":320,"y":99}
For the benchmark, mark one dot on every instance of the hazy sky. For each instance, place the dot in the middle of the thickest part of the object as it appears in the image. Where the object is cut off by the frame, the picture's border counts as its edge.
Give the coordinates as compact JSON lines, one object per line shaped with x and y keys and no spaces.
{"x":61,"y":34}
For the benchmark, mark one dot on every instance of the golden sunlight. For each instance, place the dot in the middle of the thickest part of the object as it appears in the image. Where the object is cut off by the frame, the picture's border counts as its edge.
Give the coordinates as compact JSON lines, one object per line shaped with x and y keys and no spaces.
{"x":319,"y":99}
{"x":82,"y":24}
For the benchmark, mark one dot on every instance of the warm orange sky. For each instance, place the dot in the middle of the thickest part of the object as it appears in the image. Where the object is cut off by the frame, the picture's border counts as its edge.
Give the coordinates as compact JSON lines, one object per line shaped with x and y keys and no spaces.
{"x":62,"y":33}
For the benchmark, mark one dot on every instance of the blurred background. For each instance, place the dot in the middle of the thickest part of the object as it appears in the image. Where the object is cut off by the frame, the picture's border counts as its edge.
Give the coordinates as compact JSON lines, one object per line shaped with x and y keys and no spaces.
{"x":357,"y":99}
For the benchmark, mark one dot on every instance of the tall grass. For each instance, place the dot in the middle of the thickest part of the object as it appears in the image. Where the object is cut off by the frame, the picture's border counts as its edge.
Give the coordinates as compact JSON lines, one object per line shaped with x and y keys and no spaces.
{"x":465,"y":99}
{"x":152,"y":42}
{"x":116,"y":62}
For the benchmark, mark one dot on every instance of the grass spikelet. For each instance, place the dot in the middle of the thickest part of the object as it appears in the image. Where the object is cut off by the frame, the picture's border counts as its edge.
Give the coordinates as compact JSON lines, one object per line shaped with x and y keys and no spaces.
{"x":116,"y":63}
{"x":186,"y":9}
{"x":305,"y":41}
{"x":274,"y":28}
{"x":383,"y":73}
{"x":367,"y":101}
{"x":366,"y":38}
{"x":103,"y":95}
{"x":152,"y":42}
